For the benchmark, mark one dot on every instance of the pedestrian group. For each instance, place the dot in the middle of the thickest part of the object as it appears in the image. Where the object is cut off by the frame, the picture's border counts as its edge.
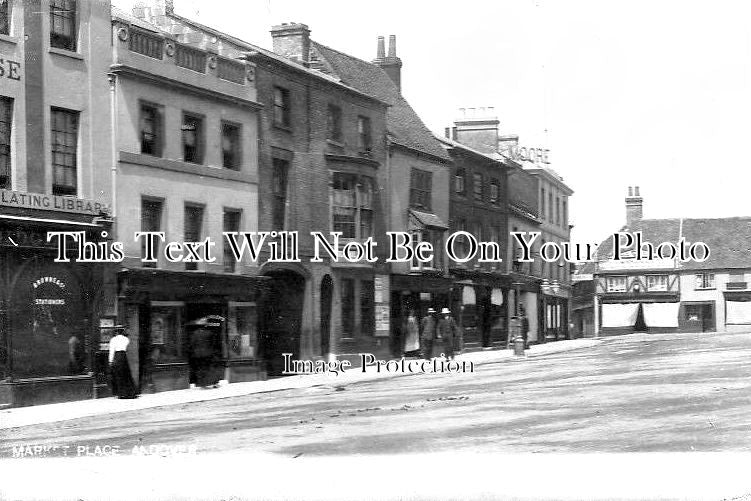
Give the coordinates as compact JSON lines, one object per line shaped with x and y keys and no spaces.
{"x":433,"y":335}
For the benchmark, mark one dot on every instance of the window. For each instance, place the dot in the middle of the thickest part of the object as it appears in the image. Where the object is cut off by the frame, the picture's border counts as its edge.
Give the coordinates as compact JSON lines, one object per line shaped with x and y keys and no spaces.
{"x":494,"y":191}
{"x":151,"y":220}
{"x":193,"y":227}
{"x":557,"y":210}
{"x":281,"y":107}
{"x":460,"y":181}
{"x":542,"y":203}
{"x":616,"y":284}
{"x":4,"y":17}
{"x":335,"y":123}
{"x":231,"y":224}
{"x":367,"y":307}
{"x":167,"y":335}
{"x":461,"y":244}
{"x":231,"y":153}
{"x":565,"y":213}
{"x":242,"y":336}
{"x":348,"y":307}
{"x":64,"y":151}
{"x":420,"y":189}
{"x":279,"y":192}
{"x":364,"y":139}
{"x":550,"y":207}
{"x":6,"y":127}
{"x":63,"y":24}
{"x":477,"y":185}
{"x":352,"y":205}
{"x":705,"y":281}
{"x":436,"y":239}
{"x":657,"y":283}
{"x":192,"y":138}
{"x":151,"y":130}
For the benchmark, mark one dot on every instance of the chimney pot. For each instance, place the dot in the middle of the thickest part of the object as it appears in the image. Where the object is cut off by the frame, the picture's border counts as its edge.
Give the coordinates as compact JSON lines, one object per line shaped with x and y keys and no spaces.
{"x":630,"y":191}
{"x":636,"y":191}
{"x":392,"y":46}
{"x":381,"y":53}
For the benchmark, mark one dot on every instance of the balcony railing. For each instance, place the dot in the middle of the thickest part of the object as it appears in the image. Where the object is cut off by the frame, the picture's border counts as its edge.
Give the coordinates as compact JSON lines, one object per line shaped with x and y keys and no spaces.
{"x":190,"y":58}
{"x":146,"y":44}
{"x":232,"y":71}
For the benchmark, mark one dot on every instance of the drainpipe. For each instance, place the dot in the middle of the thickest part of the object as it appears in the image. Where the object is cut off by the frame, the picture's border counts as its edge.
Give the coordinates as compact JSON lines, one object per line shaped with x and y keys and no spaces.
{"x":113,"y":169}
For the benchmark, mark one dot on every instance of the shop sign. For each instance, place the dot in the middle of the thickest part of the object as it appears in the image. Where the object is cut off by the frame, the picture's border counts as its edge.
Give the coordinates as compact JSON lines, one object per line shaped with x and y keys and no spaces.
{"x":10,"y":69}
{"x":536,"y":155}
{"x":54,"y":301}
{"x":40,"y":201}
{"x":382,"y":306}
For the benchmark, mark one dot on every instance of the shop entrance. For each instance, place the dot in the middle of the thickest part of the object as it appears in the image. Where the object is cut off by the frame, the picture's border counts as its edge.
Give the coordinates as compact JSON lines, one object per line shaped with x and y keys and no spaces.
{"x":281,"y":319}
{"x":327,"y":292}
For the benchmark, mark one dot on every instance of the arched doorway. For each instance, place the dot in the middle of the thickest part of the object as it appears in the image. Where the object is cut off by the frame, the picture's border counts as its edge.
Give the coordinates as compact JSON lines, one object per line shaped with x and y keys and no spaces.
{"x":281,"y":318}
{"x":327,"y":292}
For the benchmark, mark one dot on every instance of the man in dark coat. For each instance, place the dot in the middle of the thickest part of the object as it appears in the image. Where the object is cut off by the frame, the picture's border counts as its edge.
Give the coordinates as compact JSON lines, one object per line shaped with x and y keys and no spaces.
{"x":427,"y":333}
{"x":524,"y":326}
{"x":450,"y":333}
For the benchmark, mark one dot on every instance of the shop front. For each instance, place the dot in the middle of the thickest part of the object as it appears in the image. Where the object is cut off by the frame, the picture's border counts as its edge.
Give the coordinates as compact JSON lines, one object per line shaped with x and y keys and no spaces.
{"x":481,"y":300}
{"x":633,"y":312}
{"x":49,"y":312}
{"x":554,"y":318}
{"x":159,"y":308}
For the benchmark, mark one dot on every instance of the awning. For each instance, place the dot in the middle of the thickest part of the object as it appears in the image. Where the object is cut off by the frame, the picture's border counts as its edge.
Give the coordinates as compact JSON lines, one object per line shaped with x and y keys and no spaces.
{"x":496,"y":297}
{"x":661,"y":314}
{"x":737,"y":312}
{"x":619,"y":314}
{"x":426,"y":220}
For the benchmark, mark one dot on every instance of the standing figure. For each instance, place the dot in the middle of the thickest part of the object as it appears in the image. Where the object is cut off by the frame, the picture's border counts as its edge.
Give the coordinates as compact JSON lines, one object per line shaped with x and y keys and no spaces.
{"x":122,"y":380}
{"x":427,"y":333}
{"x":450,"y":333}
{"x":411,"y":329}
{"x":524,"y":326}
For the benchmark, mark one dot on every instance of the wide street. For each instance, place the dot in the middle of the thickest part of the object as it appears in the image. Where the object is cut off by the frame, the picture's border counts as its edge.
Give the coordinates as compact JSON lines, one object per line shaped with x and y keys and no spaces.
{"x":638,"y":393}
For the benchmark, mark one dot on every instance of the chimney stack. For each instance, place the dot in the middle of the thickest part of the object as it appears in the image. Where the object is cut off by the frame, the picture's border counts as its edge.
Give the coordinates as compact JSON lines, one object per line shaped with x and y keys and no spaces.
{"x":478,"y":129}
{"x":292,"y":40}
{"x":391,"y":64}
{"x":634,"y":204}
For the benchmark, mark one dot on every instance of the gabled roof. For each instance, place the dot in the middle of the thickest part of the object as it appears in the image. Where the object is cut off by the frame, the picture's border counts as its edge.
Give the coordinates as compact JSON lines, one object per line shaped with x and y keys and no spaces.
{"x":729,"y":240}
{"x":404,"y":125}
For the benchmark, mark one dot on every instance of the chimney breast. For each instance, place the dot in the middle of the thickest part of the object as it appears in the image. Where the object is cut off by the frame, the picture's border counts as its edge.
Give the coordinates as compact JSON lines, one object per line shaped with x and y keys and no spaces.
{"x":634,"y":206}
{"x":292,"y":40}
{"x":478,"y":129}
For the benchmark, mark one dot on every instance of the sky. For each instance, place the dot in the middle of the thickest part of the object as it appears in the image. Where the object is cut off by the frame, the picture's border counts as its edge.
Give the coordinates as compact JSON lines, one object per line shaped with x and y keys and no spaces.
{"x":638,"y":93}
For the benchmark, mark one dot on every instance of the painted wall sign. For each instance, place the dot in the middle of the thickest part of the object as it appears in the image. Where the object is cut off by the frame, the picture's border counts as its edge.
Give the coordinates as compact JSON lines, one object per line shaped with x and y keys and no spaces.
{"x":10,"y":69}
{"x":537,"y":155}
{"x":51,"y":202}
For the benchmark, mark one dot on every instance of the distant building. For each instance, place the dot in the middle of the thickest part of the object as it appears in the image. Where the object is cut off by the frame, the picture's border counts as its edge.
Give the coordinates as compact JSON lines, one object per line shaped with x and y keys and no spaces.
{"x":55,"y":175}
{"x":665,"y":294}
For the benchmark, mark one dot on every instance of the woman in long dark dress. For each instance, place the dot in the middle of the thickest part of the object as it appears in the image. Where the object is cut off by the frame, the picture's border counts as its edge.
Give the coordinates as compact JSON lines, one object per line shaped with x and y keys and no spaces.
{"x":122,"y":380}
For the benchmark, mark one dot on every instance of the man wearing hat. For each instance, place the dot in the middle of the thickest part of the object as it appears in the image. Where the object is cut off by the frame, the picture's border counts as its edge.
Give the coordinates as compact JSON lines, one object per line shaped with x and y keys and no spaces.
{"x":427,"y":333}
{"x":450,"y":333}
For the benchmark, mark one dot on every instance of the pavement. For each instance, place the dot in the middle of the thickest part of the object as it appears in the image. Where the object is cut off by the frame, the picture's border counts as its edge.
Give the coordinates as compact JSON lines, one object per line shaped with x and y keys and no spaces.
{"x":51,"y":413}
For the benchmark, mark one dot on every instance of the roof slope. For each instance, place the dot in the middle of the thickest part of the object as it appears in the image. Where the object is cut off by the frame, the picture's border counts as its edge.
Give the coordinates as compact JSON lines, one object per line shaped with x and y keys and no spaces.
{"x":404,"y":125}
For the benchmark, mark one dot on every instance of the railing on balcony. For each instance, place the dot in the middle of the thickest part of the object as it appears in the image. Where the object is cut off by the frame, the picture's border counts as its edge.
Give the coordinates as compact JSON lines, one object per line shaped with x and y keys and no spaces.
{"x":232,"y":71}
{"x":735,"y":286}
{"x":146,"y":43}
{"x":190,"y":58}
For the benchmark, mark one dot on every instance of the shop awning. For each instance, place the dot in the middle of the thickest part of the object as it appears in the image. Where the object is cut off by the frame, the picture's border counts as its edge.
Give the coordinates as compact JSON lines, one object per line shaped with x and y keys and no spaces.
{"x":661,"y":314}
{"x":426,"y":220}
{"x":619,"y":314}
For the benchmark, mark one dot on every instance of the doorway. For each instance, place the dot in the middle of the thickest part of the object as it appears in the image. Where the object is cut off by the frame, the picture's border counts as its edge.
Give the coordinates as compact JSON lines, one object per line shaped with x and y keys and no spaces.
{"x":327,"y":292}
{"x":281,"y":319}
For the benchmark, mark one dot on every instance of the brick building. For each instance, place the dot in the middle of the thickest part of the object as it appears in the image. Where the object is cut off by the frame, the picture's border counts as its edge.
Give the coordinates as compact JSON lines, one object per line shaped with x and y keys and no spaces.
{"x":54,"y":176}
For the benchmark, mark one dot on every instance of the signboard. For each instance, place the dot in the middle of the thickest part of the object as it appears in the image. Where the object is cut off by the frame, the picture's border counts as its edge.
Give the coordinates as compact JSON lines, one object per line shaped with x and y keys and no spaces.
{"x":382,"y":319}
{"x":536,"y":155}
{"x":40,"y":201}
{"x":382,"y":306}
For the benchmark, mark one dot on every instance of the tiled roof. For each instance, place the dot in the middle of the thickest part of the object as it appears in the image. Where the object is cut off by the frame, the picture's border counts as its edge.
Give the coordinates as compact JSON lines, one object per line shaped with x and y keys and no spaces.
{"x":729,"y":240}
{"x":404,"y":125}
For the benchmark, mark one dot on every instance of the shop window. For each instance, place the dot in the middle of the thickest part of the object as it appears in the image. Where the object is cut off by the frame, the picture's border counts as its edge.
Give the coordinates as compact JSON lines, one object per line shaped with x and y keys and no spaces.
{"x":231,"y":224}
{"x":167,"y":333}
{"x":477,"y":185}
{"x":420,"y":189}
{"x":151,"y":130}
{"x":192,"y":136}
{"x":334,"y":123}
{"x":705,"y":281}
{"x":460,"y":181}
{"x":63,"y":24}
{"x":4,"y":17}
{"x":367,"y":307}
{"x":151,"y":220}
{"x":364,"y":137}
{"x":231,"y":152}
{"x":6,"y":127}
{"x":64,"y":151}
{"x":352,"y":205}
{"x":348,"y":307}
{"x":193,"y":228}
{"x":657,"y":283}
{"x":616,"y":284}
{"x":241,"y":331}
{"x":279,"y":193}
{"x":282,"y":111}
